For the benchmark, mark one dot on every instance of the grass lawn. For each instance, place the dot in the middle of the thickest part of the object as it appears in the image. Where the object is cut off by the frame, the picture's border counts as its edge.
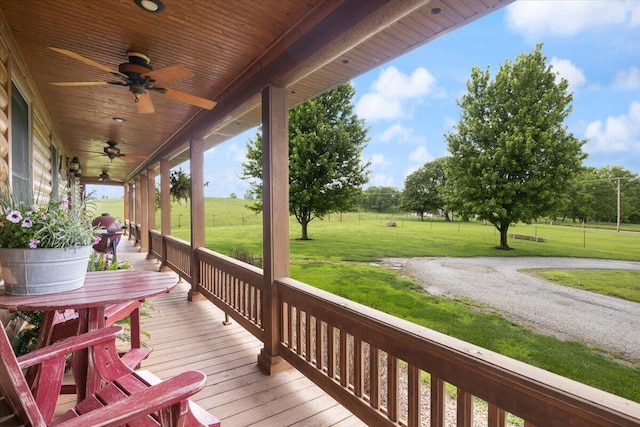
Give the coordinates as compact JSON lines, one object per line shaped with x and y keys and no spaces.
{"x":343,"y":246}
{"x":616,"y":283}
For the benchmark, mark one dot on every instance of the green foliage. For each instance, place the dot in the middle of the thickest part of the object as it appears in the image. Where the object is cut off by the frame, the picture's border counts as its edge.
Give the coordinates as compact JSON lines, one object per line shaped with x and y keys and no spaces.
{"x":511,"y":154}
{"x":180,"y":185}
{"x":381,"y":199}
{"x":26,"y":340}
{"x":326,"y":139}
{"x":104,"y":262}
{"x":424,"y":189}
{"x":49,"y":225}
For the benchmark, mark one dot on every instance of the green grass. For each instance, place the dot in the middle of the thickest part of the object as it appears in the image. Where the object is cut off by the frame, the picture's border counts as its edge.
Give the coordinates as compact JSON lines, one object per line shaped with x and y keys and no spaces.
{"x":618,"y":283}
{"x":336,"y":260}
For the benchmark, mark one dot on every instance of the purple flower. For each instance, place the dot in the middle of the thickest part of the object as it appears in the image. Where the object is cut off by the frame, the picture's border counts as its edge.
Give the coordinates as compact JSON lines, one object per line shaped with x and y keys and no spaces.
{"x":27,"y":223}
{"x":35,"y":208}
{"x":33,"y":243}
{"x":43,"y":216}
{"x":14,"y":217}
{"x":97,"y":240}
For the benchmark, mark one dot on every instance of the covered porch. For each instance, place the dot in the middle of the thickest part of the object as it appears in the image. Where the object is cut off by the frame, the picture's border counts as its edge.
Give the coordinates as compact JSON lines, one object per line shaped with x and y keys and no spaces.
{"x":291,"y":355}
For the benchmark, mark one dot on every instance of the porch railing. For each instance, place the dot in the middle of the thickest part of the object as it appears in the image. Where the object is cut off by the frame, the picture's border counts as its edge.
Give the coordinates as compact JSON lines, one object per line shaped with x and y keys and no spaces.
{"x":155,"y":244}
{"x":390,"y":372}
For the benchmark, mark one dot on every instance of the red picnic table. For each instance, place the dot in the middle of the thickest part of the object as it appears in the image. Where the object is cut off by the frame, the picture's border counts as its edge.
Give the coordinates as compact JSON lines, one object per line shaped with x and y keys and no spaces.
{"x":101,"y":290}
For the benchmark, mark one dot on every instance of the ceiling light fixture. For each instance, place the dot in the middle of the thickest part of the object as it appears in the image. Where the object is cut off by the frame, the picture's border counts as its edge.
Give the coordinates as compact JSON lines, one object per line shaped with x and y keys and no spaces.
{"x":153,"y":6}
{"x":118,"y":119}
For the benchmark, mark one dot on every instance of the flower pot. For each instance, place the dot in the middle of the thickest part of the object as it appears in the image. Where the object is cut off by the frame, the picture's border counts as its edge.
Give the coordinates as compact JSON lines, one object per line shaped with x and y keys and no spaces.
{"x":43,"y":271}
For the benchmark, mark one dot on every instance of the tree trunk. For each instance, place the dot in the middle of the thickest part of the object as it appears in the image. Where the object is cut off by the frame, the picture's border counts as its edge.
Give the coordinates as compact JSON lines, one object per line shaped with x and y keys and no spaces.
{"x":304,"y":235}
{"x":503,"y":228}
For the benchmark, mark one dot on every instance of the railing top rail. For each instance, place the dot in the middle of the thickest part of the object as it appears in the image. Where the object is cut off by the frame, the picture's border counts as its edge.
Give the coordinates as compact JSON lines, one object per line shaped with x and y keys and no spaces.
{"x":205,"y":254}
{"x":176,"y":241}
{"x":512,"y":385}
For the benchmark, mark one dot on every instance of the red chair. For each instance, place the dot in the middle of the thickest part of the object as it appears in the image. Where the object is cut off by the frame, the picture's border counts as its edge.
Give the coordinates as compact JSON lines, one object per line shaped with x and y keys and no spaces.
{"x":121,"y":396}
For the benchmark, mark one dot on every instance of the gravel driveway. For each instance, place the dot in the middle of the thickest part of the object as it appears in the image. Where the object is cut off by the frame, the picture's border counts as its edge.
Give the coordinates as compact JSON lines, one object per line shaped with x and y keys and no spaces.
{"x":568,"y":313}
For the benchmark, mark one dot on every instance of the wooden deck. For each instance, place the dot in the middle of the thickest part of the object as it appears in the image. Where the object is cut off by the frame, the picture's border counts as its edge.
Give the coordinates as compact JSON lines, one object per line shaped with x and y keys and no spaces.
{"x":191,"y":335}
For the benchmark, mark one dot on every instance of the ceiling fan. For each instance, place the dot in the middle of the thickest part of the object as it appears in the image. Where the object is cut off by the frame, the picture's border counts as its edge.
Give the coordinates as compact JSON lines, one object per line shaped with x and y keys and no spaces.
{"x":104,"y":176}
{"x":141,"y":79}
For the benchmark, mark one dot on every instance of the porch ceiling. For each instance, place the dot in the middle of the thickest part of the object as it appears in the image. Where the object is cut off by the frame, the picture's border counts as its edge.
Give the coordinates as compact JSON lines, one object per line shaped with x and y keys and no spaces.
{"x":233,"y":48}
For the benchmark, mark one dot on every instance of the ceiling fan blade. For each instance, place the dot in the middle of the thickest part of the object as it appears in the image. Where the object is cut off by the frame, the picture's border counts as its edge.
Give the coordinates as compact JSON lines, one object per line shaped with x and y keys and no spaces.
{"x":79,"y":83}
{"x":169,"y":74}
{"x":144,"y":104}
{"x":190,"y":99}
{"x":82,"y":59}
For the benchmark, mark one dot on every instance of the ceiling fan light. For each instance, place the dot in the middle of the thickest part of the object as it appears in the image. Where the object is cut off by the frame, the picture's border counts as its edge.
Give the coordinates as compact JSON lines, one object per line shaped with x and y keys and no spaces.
{"x":118,"y":119}
{"x":153,"y":6}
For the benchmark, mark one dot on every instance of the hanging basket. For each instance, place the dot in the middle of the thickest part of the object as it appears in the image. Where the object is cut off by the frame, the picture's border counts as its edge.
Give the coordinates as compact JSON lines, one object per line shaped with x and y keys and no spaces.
{"x":43,"y":271}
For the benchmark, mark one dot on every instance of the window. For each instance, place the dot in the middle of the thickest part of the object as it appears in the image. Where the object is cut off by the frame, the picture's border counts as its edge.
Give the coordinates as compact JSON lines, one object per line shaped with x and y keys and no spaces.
{"x":20,"y":147}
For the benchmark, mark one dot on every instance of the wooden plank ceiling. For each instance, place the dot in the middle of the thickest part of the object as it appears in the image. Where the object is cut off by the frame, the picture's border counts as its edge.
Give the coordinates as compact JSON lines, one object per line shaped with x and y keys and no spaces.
{"x":233,"y":48}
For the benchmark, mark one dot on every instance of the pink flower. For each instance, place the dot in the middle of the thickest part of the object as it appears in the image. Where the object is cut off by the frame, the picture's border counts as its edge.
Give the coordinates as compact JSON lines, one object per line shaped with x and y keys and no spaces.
{"x":27,"y":223}
{"x":14,"y":217}
{"x":33,"y":243}
{"x":97,"y":240}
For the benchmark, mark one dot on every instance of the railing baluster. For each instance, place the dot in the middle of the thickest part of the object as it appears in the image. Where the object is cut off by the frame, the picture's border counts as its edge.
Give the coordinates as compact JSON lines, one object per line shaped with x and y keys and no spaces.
{"x":496,"y":416}
{"x":298,"y":327}
{"x":357,"y":367}
{"x":307,"y":336}
{"x":374,"y":377}
{"x":344,"y":372}
{"x":464,"y":411}
{"x":438,"y":402}
{"x":414,"y":393}
{"x":392,"y":387}
{"x":331,"y":352}
{"x":319,"y":355}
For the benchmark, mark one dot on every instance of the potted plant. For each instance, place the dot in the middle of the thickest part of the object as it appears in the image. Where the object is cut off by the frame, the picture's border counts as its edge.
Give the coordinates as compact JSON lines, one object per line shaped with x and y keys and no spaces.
{"x":44,"y":248}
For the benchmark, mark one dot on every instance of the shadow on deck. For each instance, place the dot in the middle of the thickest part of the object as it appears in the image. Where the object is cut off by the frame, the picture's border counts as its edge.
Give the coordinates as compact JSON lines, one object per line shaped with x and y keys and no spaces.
{"x":191,"y":335}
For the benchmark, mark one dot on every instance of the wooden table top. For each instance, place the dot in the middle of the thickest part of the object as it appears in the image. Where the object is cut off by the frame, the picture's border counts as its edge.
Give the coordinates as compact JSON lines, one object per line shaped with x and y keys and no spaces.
{"x":100,"y":288}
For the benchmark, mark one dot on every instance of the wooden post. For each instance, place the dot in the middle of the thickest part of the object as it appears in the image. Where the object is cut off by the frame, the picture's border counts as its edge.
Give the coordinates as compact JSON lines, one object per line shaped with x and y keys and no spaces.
{"x":165,"y":201}
{"x":127,"y":208}
{"x":138,"y":203}
{"x":196,"y":161}
{"x":131,"y":208}
{"x":275,"y":220}
{"x":151,"y":208}
{"x":144,"y":213}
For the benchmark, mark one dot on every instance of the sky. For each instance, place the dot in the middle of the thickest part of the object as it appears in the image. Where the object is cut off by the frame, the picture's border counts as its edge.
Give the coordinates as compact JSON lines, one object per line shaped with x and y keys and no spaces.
{"x":409,"y":104}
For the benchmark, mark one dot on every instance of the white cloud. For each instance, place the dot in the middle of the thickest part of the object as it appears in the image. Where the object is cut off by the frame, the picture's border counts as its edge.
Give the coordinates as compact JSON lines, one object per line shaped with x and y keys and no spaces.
{"x":379,"y":160}
{"x":535,"y":19}
{"x":236,"y":153}
{"x":395,"y":132}
{"x":420,"y":155}
{"x":381,"y":180}
{"x":392,"y":90}
{"x":627,"y":79}
{"x":621,"y":133}
{"x":567,"y":70}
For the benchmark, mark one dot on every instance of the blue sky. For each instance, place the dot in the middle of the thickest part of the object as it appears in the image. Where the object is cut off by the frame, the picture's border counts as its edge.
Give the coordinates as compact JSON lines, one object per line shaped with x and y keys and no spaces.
{"x":410,"y":103}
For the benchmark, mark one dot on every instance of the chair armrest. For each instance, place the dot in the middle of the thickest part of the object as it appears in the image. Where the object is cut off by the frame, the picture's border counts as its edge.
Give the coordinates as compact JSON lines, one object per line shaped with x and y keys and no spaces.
{"x":69,"y":345}
{"x":163,"y":395}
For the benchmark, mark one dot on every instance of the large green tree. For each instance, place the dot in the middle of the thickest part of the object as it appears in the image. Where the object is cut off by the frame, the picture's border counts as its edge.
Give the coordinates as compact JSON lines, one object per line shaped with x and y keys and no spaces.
{"x":381,"y":199}
{"x":512,"y":155}
{"x":326,"y":173}
{"x":424,"y":189}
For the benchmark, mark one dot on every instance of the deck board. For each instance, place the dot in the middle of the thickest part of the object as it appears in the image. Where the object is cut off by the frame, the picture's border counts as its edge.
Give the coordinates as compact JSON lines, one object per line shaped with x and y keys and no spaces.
{"x":190,"y":335}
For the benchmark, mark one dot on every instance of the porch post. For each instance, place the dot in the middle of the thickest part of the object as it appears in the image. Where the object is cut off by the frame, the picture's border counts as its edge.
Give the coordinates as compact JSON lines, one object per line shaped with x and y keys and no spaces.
{"x":127,"y":211}
{"x":144,"y":213}
{"x":136,"y":214}
{"x":275,"y":220}
{"x":151,"y":208}
{"x":165,"y":218}
{"x":131,"y":208}
{"x":196,"y":147}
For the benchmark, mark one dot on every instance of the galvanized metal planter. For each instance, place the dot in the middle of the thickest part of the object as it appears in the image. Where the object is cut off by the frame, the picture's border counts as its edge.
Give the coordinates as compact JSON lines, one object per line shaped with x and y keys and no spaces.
{"x":43,"y":271}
